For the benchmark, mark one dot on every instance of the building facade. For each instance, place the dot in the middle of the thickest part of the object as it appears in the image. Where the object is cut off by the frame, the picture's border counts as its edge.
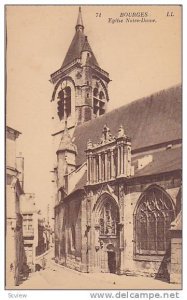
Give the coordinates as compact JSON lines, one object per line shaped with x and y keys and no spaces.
{"x":117,"y":174}
{"x":34,"y":237}
{"x":15,"y":255}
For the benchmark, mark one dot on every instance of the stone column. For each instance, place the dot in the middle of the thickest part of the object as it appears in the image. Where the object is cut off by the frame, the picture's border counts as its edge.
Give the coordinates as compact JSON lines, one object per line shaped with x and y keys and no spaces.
{"x":122,"y":159}
{"x":112,"y":165}
{"x":106,"y":161}
{"x":84,"y":264}
{"x":99,"y":167}
{"x":109,"y":167}
{"x":118,"y":160}
{"x":128,"y":161}
{"x":94,"y":169}
{"x":125,"y":161}
{"x":88,"y":169}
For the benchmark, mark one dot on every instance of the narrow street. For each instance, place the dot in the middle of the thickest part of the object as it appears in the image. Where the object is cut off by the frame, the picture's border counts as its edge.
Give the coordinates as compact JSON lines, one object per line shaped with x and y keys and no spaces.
{"x":58,"y":277}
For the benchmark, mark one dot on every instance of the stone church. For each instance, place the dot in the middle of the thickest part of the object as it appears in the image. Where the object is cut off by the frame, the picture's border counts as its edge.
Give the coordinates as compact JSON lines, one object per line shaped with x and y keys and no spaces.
{"x":117,"y":174}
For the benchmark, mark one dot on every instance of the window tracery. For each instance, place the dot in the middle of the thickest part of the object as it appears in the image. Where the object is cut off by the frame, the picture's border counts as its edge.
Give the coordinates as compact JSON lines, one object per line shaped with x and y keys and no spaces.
{"x":153,"y":218}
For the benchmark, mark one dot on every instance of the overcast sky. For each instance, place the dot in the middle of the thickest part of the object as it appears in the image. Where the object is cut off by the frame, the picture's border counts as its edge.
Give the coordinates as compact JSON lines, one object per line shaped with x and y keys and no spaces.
{"x":141,"y":58}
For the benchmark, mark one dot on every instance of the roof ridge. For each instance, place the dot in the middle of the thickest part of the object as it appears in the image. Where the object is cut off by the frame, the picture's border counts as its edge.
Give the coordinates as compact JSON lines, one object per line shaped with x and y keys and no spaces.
{"x":130,"y":103}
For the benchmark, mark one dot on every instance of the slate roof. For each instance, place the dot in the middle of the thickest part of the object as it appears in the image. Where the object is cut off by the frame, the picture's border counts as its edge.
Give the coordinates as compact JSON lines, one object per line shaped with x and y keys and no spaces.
{"x":163,"y":161}
{"x":78,"y":44}
{"x":81,"y":183}
{"x":148,"y":121}
{"x":66,"y":143}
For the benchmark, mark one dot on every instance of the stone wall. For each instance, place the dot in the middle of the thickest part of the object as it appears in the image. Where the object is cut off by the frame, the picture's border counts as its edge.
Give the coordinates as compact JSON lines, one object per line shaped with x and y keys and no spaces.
{"x":176,"y":260}
{"x":68,"y":239}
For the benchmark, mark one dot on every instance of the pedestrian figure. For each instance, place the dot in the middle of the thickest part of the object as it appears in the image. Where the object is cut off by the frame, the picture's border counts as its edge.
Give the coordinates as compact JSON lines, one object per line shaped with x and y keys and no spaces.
{"x":11,"y":267}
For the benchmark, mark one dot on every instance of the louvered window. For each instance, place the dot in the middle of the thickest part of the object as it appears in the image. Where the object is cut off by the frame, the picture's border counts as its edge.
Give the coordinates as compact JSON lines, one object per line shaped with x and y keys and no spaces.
{"x":64,"y":103}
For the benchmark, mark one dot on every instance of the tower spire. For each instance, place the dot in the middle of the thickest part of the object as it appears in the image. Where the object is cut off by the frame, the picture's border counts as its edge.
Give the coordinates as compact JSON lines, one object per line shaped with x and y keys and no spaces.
{"x":79,"y":26}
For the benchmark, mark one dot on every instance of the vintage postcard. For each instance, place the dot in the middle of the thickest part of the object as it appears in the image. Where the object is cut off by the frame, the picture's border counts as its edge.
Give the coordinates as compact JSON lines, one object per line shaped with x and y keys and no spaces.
{"x":93,"y":148}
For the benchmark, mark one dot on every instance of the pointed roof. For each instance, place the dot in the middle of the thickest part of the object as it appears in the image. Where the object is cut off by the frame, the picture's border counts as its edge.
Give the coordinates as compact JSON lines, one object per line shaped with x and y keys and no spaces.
{"x":86,"y":46}
{"x":66,"y":142}
{"x":79,"y":25}
{"x":79,"y":44}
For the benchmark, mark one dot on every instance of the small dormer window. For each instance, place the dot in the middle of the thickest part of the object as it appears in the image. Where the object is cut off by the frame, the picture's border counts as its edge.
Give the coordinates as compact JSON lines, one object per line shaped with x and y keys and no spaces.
{"x":88,"y":55}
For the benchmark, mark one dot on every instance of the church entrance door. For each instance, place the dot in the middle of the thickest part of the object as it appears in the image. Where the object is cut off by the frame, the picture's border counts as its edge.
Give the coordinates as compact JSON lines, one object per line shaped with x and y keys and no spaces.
{"x":112,"y":261}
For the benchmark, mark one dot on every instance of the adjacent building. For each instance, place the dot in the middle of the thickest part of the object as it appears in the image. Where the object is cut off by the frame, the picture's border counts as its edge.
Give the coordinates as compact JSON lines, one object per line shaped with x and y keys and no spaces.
{"x":34,"y":233}
{"x":117,"y":174}
{"x":15,"y":254}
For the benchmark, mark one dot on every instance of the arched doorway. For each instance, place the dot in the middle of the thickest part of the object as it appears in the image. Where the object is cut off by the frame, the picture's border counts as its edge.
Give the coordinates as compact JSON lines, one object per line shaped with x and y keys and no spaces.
{"x":112,"y":266}
{"x":106,"y":235}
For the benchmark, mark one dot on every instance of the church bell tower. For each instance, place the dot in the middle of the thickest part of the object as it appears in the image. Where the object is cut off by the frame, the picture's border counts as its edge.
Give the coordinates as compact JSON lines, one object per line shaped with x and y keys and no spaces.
{"x":80,"y":84}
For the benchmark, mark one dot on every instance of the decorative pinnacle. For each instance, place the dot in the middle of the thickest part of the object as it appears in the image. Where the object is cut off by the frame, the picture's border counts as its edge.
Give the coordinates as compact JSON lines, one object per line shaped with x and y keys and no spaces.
{"x":121,"y":132}
{"x":106,"y":133}
{"x":79,"y":25}
{"x":89,"y":144}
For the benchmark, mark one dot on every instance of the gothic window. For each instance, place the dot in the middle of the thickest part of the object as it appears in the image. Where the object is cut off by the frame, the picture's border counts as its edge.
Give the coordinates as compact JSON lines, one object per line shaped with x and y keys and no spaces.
{"x":95,"y":92}
{"x":108,"y":219}
{"x":98,"y":102}
{"x":61,"y":104}
{"x":152,"y":222}
{"x":101,"y":95}
{"x":67,"y":100}
{"x":64,"y":103}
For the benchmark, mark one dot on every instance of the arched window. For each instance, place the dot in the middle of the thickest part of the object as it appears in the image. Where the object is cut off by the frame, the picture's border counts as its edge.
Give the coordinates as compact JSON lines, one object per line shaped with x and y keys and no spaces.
{"x":101,"y":95}
{"x":98,"y":102}
{"x":67,"y":100}
{"x":153,"y":217}
{"x":64,"y":103}
{"x":108,"y":219}
{"x":60,"y":103}
{"x":95,"y":92}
